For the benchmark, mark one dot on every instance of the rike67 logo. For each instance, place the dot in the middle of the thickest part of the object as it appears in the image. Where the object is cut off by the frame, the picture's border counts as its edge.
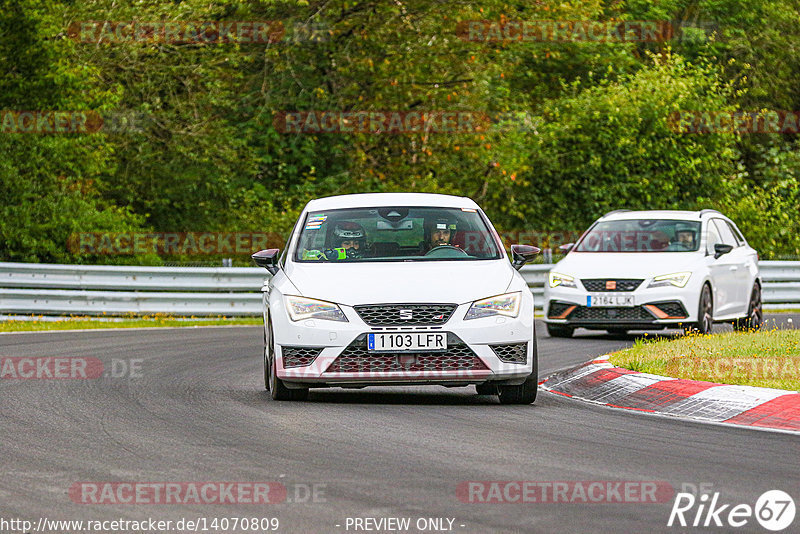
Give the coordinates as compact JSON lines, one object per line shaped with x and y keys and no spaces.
{"x":774,"y":510}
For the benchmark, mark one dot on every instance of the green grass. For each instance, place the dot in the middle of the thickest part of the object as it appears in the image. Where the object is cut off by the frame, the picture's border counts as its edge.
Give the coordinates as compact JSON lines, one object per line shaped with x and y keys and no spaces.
{"x":768,"y":358}
{"x":37,"y":323}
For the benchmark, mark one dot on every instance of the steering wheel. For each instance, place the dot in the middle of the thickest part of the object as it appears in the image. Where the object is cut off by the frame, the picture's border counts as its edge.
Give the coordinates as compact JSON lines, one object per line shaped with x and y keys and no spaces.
{"x":679,"y":246}
{"x":446,"y":251}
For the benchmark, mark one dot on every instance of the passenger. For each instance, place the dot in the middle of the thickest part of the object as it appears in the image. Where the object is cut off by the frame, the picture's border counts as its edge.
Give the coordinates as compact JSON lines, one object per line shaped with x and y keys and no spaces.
{"x":349,"y":242}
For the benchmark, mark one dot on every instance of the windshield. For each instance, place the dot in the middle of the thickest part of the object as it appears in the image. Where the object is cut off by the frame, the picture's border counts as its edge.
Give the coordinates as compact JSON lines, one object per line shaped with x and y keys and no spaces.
{"x":642,"y":235}
{"x":395,"y":234}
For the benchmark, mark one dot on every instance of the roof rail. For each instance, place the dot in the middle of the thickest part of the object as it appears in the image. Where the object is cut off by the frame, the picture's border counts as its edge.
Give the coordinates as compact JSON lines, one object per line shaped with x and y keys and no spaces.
{"x":708,"y":210}
{"x":612,"y":212}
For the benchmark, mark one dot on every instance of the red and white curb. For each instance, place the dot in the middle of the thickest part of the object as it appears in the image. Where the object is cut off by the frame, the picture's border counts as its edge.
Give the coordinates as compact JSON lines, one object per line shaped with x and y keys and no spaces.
{"x":600,"y":382}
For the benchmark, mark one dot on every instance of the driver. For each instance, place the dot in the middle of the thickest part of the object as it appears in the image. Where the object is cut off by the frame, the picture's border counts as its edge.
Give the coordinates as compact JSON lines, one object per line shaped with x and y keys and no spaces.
{"x":684,"y":237}
{"x":350,"y":236}
{"x":439,"y":233}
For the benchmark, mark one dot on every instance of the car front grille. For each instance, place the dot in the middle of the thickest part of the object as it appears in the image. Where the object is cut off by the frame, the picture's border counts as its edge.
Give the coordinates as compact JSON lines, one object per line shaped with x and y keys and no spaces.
{"x":356,"y":358}
{"x":618,"y":313}
{"x":512,"y":353}
{"x":620,"y":284}
{"x":299,"y":356}
{"x":405,"y":314}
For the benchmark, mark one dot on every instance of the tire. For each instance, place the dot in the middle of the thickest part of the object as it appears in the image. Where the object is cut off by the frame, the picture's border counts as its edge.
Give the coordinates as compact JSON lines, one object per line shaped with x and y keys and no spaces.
{"x":755,"y":312}
{"x":617,"y":331}
{"x":487,"y":388}
{"x":275,"y":386}
{"x":266,"y":357}
{"x":557,"y":330}
{"x":524,"y":393}
{"x":705,"y":314}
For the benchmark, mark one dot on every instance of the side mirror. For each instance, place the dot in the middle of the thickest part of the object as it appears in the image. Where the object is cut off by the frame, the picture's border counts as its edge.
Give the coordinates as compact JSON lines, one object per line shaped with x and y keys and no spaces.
{"x":566,"y":248}
{"x":720,"y":249}
{"x":267,"y":259}
{"x":522,"y":254}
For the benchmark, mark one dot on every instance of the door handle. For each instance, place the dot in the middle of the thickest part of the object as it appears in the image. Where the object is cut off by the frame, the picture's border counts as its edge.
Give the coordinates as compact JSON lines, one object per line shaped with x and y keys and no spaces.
{"x":734,"y":268}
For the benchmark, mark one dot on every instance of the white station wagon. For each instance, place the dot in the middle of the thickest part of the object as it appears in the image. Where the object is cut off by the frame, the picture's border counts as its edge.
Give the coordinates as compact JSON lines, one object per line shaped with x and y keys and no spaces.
{"x":397,"y":289}
{"x":644,"y":270}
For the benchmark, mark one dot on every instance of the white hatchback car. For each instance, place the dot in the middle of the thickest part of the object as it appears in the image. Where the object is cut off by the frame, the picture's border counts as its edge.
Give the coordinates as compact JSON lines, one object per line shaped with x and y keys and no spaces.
{"x":398,"y":289}
{"x":644,"y":270}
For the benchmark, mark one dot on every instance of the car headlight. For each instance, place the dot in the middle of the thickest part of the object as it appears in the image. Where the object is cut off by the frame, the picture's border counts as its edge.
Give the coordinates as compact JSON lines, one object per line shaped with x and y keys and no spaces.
{"x":300,"y":308}
{"x":675,"y":279}
{"x":507,"y":305}
{"x":564,"y":280}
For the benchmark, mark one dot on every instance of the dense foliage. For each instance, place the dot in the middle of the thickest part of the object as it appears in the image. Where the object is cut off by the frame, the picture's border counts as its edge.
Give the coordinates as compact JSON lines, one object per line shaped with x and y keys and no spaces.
{"x":577,"y":128}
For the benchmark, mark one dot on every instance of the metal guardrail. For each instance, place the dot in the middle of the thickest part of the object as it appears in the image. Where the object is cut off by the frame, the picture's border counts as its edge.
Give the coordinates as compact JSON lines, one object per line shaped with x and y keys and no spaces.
{"x":48,"y":289}
{"x":133,"y":278}
{"x":781,"y":283}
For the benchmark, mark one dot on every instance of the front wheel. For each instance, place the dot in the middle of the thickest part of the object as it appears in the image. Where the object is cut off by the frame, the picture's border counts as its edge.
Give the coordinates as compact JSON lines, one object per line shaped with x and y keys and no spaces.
{"x":705,"y":314}
{"x":487,"y":388}
{"x":524,"y":393}
{"x":267,"y":344}
{"x":275,"y":386}
{"x":755,"y":312}
{"x":557,"y":330}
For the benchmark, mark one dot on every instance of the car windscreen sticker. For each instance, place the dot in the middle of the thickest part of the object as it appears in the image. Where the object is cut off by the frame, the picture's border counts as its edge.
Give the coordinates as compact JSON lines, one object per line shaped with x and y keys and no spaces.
{"x":315,"y":222}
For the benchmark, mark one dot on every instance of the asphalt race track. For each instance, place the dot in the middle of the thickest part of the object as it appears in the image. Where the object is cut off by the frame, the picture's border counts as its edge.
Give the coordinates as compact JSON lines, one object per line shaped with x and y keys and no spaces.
{"x":196,"y":411}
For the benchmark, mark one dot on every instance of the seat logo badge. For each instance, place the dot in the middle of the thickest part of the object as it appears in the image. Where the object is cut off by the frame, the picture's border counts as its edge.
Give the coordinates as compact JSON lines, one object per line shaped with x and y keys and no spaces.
{"x":406,"y":314}
{"x":611,"y":284}
{"x":407,"y":361}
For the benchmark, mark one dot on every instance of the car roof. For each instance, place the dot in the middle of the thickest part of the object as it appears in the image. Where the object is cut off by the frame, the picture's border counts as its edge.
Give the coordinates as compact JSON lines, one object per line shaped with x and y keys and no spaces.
{"x":623,"y":215}
{"x":370,"y":200}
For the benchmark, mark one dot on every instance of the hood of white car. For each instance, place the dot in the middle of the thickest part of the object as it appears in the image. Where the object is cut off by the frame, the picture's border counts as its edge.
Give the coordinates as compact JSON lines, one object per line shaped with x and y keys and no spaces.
{"x":626,"y":264}
{"x":401,"y":282}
